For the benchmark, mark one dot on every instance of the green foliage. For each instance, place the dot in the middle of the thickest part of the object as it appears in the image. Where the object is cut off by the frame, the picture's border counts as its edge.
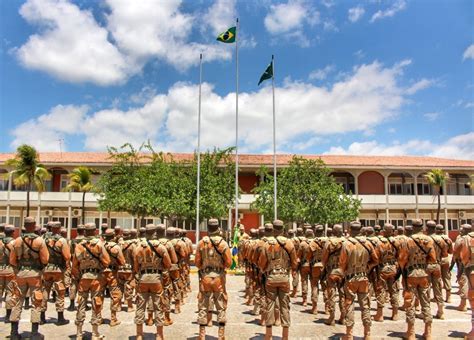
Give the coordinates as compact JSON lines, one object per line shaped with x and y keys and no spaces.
{"x":144,"y":182}
{"x":306,"y":193}
{"x":437,"y":178}
{"x":80,"y":180}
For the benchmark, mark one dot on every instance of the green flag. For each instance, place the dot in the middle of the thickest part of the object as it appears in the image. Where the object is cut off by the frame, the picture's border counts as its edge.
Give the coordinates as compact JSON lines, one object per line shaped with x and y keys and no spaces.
{"x":268,"y":74}
{"x":228,"y":36}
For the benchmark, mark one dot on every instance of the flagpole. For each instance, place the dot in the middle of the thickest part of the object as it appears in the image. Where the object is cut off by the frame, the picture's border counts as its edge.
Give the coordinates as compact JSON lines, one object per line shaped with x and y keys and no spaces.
{"x":199,"y":154}
{"x":237,"y":123}
{"x":274,"y":144}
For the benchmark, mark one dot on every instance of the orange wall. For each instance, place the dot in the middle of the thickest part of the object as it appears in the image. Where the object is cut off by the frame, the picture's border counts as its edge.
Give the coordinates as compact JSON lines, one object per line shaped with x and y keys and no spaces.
{"x":250,"y":220}
{"x":371,"y":183}
{"x":247,"y":182}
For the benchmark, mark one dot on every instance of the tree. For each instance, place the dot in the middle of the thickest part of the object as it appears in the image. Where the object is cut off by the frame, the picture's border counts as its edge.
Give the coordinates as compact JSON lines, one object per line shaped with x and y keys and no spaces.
{"x":437,"y":178}
{"x":28,"y":171}
{"x":306,"y":193}
{"x":80,"y":180}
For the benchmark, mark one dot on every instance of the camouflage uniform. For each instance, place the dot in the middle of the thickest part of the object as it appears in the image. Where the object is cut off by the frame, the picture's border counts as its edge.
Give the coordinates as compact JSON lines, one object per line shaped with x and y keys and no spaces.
{"x":304,"y":255}
{"x":461,"y":275}
{"x":317,"y":246}
{"x":466,"y":255}
{"x":73,"y":282}
{"x":445,"y":271}
{"x":181,"y":252}
{"x":125,"y":278}
{"x":7,"y":274}
{"x":295,"y":279}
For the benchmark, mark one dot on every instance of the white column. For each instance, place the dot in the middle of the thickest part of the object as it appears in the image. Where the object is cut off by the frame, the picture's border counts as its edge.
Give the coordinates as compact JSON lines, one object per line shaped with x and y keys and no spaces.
{"x":10,"y":178}
{"x":101,"y":216}
{"x":69,"y":216}
{"x":38,"y":210}
{"x":387,"y":213}
{"x":446,"y":221}
{"x":415,"y":176}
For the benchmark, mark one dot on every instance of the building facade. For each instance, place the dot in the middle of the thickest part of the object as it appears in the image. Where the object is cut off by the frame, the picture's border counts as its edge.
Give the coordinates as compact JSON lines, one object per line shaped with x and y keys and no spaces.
{"x":392,"y":189}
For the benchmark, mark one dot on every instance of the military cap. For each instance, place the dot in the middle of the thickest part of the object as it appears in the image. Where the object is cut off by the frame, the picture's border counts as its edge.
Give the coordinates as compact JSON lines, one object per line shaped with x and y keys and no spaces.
{"x":319,"y":227}
{"x":377,"y":227}
{"x":253,"y":232}
{"x":160,"y":227}
{"x":388,"y":226}
{"x":30,"y":220}
{"x":291,"y":232}
{"x":117,"y":228}
{"x":400,"y":228}
{"x":408,"y":227}
{"x":150,"y":227}
{"x":261,"y":230}
{"x":299,"y":230}
{"x":89,"y":226}
{"x":278,"y":225}
{"x":309,"y":232}
{"x":37,"y":228}
{"x":56,"y":225}
{"x":440,"y":227}
{"x":126,"y":232}
{"x":355,"y":225}
{"x":133,"y":232}
{"x":417,"y":222}
{"x":212,"y":225}
{"x":62,"y":230}
{"x":2,"y":227}
{"x":170,"y":230}
{"x":142,"y":230}
{"x":268,"y":226}
{"x":431,"y":224}
{"x":306,"y":226}
{"x":49,"y":224}
{"x":9,"y":228}
{"x":109,"y":233}
{"x":369,"y":230}
{"x":466,"y":226}
{"x":80,"y":227}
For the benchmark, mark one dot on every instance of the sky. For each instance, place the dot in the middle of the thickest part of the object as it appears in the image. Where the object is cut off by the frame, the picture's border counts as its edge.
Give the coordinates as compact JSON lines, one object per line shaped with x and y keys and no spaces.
{"x":374,"y":77}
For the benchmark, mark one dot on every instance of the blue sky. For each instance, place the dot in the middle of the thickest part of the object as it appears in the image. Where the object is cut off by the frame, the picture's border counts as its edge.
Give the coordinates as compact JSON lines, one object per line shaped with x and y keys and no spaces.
{"x":352,"y":77}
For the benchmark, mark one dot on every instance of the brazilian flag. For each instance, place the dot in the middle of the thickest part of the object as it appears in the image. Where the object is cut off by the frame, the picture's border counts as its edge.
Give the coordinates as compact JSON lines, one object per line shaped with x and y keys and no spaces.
{"x":235,"y":249}
{"x":268,"y":74}
{"x":228,"y":36}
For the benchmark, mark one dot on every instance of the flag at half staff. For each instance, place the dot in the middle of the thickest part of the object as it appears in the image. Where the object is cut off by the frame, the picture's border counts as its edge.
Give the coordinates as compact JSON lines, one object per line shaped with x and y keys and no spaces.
{"x":268,"y":74}
{"x":228,"y":36}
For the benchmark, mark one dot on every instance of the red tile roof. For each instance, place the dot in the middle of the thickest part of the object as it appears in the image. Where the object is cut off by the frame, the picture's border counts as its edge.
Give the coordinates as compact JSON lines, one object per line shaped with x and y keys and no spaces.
{"x":98,"y":158}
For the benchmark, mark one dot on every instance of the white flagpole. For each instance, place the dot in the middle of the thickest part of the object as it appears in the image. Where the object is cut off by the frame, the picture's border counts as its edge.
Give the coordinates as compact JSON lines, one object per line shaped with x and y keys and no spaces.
{"x":199,"y":154}
{"x":274,"y":144}
{"x":237,"y":123}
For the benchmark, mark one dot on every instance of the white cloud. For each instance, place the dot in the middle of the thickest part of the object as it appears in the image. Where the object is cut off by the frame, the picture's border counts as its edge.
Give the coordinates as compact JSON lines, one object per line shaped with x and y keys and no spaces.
{"x":396,"y":7}
{"x":288,"y":19}
{"x":469,"y":105}
{"x":44,"y":131}
{"x":458,"y":147}
{"x":366,"y":97}
{"x":72,"y":46}
{"x":321,"y":74}
{"x":431,"y":116}
{"x":468,"y":53}
{"x":355,"y":13}
{"x":329,"y":25}
{"x":220,"y":16}
{"x":420,"y":85}
{"x":359,"y":54}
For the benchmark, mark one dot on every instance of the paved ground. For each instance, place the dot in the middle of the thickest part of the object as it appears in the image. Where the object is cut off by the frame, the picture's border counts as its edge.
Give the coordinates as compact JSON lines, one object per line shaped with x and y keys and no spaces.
{"x":242,"y":325}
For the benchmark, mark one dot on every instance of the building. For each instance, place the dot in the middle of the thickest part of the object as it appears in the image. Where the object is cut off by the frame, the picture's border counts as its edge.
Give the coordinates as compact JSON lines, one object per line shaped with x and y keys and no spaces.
{"x":391,"y":189}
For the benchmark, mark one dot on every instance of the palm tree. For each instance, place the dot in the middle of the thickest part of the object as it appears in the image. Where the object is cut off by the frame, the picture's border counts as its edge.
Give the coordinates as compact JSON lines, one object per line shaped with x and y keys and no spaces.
{"x":28,"y":171}
{"x":80,"y":180}
{"x":437,"y":178}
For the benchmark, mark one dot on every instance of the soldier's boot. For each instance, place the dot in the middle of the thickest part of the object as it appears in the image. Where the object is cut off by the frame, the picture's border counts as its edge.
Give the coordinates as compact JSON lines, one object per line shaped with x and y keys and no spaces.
{"x":304,"y":303}
{"x":341,"y":318}
{"x":159,"y":333}
{"x":202,"y":333}
{"x":130,"y":306}
{"x":27,"y":303}
{"x":79,"y":331}
{"x":35,"y":334}
{"x":113,"y":319}
{"x":168,"y":320}
{"x":330,"y":321}
{"x":379,"y":315}
{"x":149,"y":320}
{"x":285,"y":333}
{"x":268,"y":333}
{"x":7,"y":316}
{"x":349,"y":333}
{"x":448,"y":296}
{"x":72,"y":306}
{"x":221,"y":333}
{"x":14,"y":335}
{"x":440,"y":313}
{"x":95,"y":333}
{"x":42,"y":318}
{"x":427,"y":334}
{"x":139,"y":332}
{"x":177,"y":307}
{"x":462,"y":306}
{"x":249,"y":300}
{"x":410,"y":334}
{"x":209,"y":319}
{"x":61,"y":320}
{"x":366,"y":332}
{"x":314,"y":307}
{"x":293,"y":292}
{"x":277,"y":319}
{"x":394,"y":314}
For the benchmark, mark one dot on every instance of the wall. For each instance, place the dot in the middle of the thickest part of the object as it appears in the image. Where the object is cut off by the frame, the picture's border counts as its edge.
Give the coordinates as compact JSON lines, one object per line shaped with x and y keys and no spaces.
{"x":371,"y":183}
{"x":247,"y":182}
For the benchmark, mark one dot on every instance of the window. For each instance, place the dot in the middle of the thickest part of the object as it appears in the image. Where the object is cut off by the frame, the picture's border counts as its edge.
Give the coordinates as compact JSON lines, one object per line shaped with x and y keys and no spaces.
{"x":3,"y":180}
{"x":452,"y":224}
{"x":424,"y":189}
{"x":64,"y":182}
{"x":367,"y":223}
{"x":398,"y":223}
{"x":468,"y":221}
{"x":395,"y":189}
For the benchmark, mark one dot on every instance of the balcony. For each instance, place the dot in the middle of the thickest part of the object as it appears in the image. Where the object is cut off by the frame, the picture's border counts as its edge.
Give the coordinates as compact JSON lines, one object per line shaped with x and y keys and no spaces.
{"x":48,"y":199}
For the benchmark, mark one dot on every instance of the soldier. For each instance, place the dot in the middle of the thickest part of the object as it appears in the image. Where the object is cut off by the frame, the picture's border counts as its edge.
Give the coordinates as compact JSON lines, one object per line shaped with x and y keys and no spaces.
{"x":150,"y":259}
{"x":331,"y":274}
{"x":125,"y":275}
{"x":466,"y":254}
{"x":141,"y":233}
{"x":295,"y":273}
{"x":110,"y":273}
{"x":73,"y":285}
{"x":316,"y":245}
{"x":181,"y":252}
{"x":276,"y":260}
{"x":415,"y":259}
{"x":375,"y":285}
{"x":88,"y":263}
{"x":445,"y":272}
{"x":213,"y":256}
{"x":304,"y":256}
{"x":53,"y":273}
{"x":260,"y":297}
{"x":461,"y":276}
{"x":103,"y":228}
{"x":358,"y":257}
{"x":245,"y":252}
{"x":377,"y":230}
{"x":388,"y":250}
{"x":441,"y":250}
{"x":28,"y":257}
{"x":7,"y":274}
{"x":118,"y":235}
{"x":187,"y":262}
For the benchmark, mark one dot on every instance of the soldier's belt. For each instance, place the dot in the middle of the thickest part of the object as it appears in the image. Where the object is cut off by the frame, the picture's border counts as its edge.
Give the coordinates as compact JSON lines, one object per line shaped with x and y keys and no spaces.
{"x":150,"y":271}
{"x":391,"y":262}
{"x":213,"y":270}
{"x":30,"y":267}
{"x":113,"y":268}
{"x":91,"y":270}
{"x":360,"y":274}
{"x":278,"y":271}
{"x":416,"y":266}
{"x":4,"y":265}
